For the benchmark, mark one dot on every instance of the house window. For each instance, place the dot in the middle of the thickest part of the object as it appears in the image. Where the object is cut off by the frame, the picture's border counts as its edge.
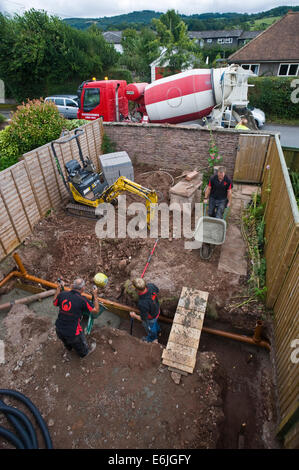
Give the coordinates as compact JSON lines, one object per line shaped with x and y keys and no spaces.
{"x":225,"y":40}
{"x":288,"y":70}
{"x":253,"y":67}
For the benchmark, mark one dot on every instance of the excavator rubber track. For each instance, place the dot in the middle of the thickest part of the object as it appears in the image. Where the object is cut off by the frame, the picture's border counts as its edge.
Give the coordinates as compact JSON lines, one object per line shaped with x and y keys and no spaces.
{"x":78,"y":210}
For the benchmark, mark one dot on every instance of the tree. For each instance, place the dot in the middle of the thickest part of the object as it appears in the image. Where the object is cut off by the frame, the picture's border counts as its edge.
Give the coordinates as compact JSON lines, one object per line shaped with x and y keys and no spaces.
{"x":39,"y":51}
{"x":180,"y":52}
{"x":139,"y":50}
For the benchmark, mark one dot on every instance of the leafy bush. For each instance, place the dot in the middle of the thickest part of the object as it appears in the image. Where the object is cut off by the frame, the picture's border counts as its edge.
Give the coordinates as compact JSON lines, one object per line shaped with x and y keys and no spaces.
{"x":2,"y":118}
{"x":73,"y":123}
{"x":34,"y":124}
{"x":273,"y":96}
{"x":108,"y":146}
{"x":9,"y":152}
{"x":118,"y":73}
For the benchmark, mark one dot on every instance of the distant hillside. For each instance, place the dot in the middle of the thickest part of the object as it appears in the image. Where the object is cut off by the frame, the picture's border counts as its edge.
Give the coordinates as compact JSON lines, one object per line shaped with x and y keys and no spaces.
{"x":204,"y":21}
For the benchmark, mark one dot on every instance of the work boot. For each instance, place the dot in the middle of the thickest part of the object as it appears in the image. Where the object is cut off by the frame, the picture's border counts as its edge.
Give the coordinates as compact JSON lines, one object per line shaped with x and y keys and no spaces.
{"x":91,"y":349}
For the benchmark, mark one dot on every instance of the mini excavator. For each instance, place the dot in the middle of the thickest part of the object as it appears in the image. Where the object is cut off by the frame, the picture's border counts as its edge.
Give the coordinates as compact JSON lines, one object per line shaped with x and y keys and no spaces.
{"x":87,"y":188}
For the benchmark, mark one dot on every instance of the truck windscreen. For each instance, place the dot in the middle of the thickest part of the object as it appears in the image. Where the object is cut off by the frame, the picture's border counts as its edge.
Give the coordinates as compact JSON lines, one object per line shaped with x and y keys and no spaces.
{"x":91,"y":99}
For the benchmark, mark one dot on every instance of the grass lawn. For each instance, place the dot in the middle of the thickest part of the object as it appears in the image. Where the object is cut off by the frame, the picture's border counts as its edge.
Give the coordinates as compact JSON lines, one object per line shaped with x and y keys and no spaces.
{"x":263,"y":21}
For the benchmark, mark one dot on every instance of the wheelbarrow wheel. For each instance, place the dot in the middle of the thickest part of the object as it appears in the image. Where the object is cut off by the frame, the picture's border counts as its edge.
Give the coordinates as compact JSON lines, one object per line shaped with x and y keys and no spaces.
{"x":205,"y":251}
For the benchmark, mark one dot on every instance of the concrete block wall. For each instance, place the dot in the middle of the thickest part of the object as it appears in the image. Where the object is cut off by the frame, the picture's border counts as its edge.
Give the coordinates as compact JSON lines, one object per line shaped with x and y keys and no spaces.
{"x":170,"y":146}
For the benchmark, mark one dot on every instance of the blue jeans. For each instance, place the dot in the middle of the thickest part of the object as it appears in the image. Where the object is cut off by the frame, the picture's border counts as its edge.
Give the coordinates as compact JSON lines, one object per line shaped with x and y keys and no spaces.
{"x":217,"y":207}
{"x":152,"y":329}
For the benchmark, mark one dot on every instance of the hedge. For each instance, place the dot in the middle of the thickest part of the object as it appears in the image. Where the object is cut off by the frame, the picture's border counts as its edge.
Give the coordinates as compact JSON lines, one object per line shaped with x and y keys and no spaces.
{"x":273,"y":96}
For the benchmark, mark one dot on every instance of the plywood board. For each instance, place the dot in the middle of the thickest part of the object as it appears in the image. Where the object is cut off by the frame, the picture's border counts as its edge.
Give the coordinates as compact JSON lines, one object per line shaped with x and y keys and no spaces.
{"x":193,"y":299}
{"x":177,"y":367}
{"x":174,"y":354}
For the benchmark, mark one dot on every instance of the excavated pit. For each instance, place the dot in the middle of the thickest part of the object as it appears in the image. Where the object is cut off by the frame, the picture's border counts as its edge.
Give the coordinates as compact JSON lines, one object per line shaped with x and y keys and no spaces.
{"x":122,"y":396}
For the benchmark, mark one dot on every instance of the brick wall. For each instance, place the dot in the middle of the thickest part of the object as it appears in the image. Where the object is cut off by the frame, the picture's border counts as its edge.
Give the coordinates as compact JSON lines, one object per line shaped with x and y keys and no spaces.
{"x":169,"y":146}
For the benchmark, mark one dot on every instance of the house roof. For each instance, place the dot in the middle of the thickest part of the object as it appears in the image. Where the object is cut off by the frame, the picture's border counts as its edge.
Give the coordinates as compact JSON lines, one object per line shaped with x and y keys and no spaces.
{"x":114,"y":37}
{"x":279,"y":42}
{"x":249,"y":34}
{"x":215,"y":34}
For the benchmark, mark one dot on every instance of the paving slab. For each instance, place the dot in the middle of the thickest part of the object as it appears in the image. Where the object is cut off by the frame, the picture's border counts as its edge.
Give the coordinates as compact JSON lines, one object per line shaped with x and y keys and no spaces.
{"x":233,"y":252}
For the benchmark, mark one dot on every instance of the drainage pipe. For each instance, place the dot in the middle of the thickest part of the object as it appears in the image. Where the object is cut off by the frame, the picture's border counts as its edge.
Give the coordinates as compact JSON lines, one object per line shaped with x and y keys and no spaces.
{"x":28,"y":300}
{"x":22,"y":273}
{"x":255,"y":340}
{"x":237,"y":337}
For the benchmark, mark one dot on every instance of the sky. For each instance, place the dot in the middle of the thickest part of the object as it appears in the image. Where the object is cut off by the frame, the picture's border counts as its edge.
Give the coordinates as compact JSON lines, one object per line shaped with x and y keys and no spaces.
{"x":100,"y":8}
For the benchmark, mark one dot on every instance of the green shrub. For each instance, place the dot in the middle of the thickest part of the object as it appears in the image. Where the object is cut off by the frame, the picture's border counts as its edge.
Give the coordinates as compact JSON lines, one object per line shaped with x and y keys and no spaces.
{"x":273,"y":96}
{"x":9,"y":152}
{"x":108,"y":146}
{"x":2,"y":118}
{"x":74,"y":123}
{"x":35,"y":124}
{"x":117,"y":73}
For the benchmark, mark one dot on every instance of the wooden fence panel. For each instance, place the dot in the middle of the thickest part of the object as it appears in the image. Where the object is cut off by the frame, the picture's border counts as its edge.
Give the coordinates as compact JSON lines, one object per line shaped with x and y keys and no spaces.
{"x":13,"y":206}
{"x":31,"y":187}
{"x":282,"y":220}
{"x":250,"y":158}
{"x":282,"y":279}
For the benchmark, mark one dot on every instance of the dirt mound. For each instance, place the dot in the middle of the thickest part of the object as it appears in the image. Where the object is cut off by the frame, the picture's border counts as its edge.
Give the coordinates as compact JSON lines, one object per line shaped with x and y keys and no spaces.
{"x":120,"y":396}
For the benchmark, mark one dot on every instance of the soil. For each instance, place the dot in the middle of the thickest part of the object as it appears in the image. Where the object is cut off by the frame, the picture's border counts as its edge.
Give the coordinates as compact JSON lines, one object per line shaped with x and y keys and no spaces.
{"x":121,"y":396}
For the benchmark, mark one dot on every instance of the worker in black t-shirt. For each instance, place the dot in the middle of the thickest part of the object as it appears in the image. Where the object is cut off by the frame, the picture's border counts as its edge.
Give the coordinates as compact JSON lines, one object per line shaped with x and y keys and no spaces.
{"x":72,"y":304}
{"x":219,"y":193}
{"x":149,"y":308}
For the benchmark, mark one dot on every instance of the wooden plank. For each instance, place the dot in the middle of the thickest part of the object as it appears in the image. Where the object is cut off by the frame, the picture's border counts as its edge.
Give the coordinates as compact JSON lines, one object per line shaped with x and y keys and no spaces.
{"x":43,"y":176}
{"x":185,"y":336}
{"x":192,"y":322}
{"x":36,"y":199}
{"x":10,"y":216}
{"x":21,"y":200}
{"x":184,"y":340}
{"x":178,"y":367}
{"x":193,"y":299}
{"x":177,"y":371}
{"x":180,"y":354}
{"x":55,"y":171}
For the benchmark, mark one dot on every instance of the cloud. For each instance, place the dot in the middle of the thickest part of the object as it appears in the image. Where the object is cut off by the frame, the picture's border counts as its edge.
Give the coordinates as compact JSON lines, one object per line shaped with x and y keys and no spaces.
{"x":97,"y":9}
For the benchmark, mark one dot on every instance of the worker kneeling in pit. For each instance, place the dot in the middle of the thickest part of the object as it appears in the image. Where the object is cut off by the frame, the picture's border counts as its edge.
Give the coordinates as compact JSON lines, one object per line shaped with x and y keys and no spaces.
{"x":149,"y":308}
{"x":219,"y":193}
{"x":72,"y":305}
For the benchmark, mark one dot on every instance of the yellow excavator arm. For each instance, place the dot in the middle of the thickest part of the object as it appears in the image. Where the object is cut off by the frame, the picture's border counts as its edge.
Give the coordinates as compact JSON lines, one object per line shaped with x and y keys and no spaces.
{"x":123,"y":184}
{"x":114,"y":190}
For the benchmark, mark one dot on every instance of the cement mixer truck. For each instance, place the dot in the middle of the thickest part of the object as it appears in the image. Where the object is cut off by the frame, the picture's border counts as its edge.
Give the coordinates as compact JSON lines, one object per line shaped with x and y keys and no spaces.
{"x":186,"y":97}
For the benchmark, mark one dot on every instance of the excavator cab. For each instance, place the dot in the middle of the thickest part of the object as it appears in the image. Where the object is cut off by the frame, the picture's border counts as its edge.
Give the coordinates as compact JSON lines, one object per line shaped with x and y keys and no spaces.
{"x":88,"y":183}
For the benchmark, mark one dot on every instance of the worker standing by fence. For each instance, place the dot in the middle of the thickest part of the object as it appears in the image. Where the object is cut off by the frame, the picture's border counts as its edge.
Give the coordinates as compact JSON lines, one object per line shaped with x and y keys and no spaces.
{"x":219,"y":193}
{"x":149,"y":308}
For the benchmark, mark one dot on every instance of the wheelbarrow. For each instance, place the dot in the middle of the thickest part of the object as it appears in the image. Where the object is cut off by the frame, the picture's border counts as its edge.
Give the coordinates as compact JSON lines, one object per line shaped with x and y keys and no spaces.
{"x":210,"y":232}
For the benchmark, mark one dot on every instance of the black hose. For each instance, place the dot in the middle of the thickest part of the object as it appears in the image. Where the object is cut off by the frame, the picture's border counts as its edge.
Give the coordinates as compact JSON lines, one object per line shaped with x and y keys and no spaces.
{"x":9,"y":436}
{"x":39,"y":419}
{"x":20,"y":423}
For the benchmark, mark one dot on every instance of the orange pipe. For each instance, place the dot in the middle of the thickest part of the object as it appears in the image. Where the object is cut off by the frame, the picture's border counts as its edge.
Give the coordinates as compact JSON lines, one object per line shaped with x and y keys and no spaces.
{"x":255,"y":340}
{"x":234,"y":336}
{"x":8,"y":277}
{"x":23,"y":273}
{"x":258,"y":331}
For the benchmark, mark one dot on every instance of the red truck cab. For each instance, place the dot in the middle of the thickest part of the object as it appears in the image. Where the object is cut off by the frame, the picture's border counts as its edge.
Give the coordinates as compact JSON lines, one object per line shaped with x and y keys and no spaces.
{"x":103,"y":98}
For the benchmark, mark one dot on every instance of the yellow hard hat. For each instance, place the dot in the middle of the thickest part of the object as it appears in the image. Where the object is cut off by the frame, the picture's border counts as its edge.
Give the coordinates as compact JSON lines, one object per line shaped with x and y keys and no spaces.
{"x":100,"y":279}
